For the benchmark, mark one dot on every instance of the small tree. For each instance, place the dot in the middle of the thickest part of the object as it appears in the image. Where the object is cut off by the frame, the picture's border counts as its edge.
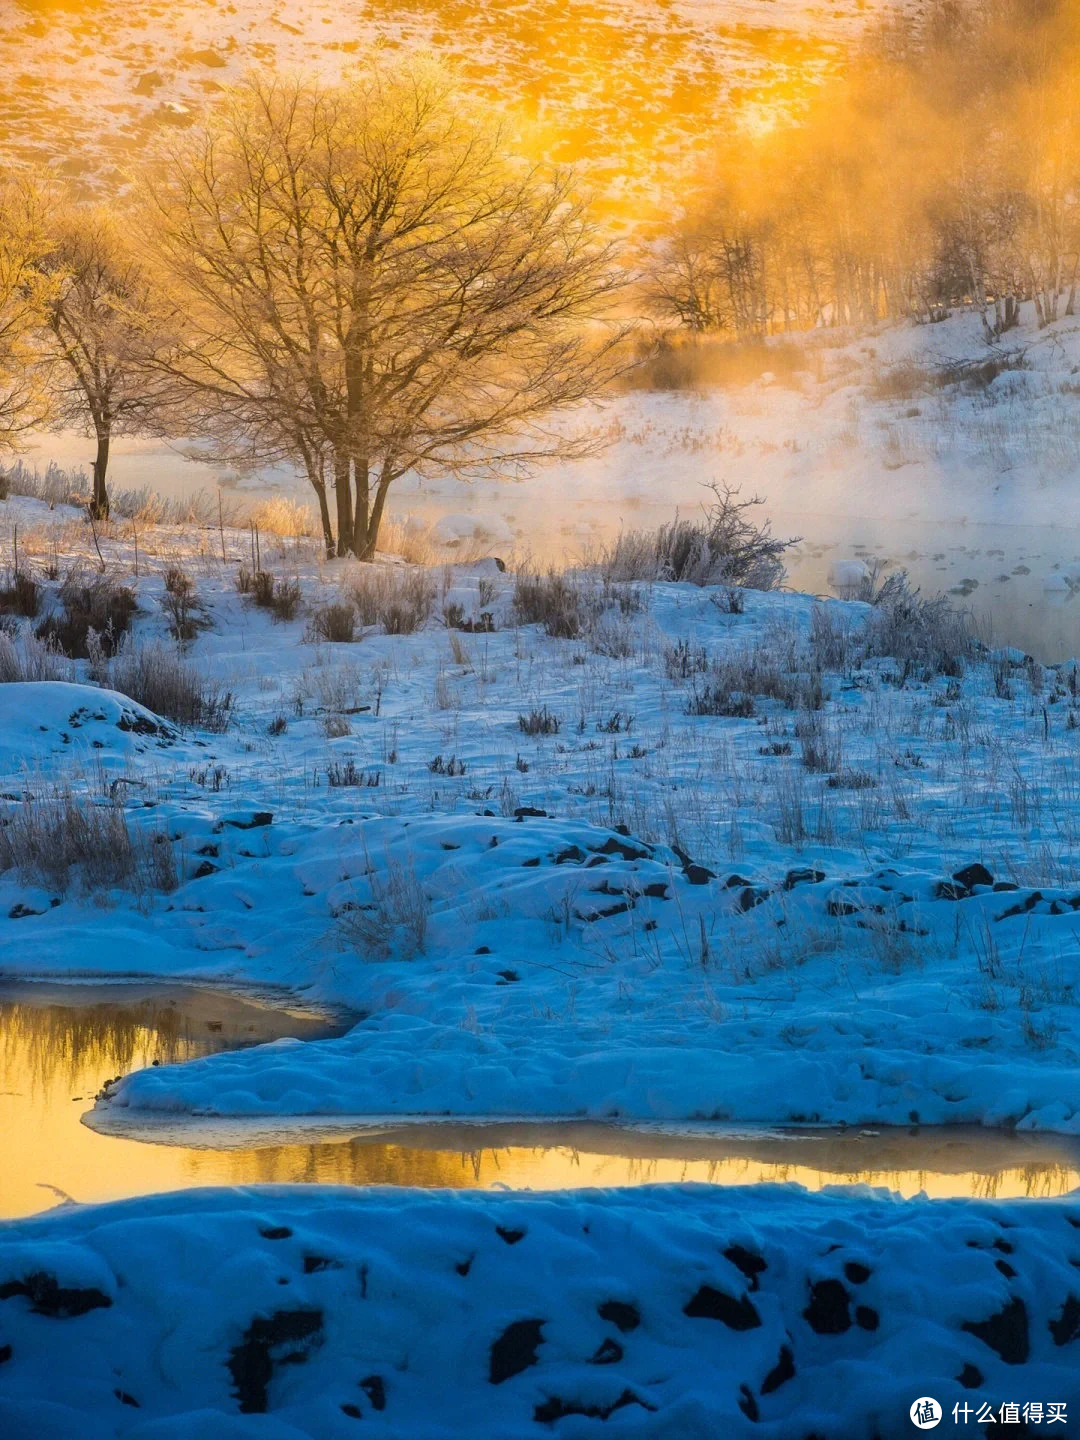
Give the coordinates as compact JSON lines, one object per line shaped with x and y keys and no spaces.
{"x":370,"y":284}
{"x":103,"y":325}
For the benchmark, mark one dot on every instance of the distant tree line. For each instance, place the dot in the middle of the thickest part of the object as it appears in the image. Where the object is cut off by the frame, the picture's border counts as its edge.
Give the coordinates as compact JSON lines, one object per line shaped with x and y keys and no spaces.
{"x":942,"y":169}
{"x":362,"y":279}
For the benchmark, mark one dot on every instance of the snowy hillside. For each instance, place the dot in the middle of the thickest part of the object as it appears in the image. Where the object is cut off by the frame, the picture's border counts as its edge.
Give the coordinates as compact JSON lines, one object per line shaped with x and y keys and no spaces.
{"x":91,"y":85}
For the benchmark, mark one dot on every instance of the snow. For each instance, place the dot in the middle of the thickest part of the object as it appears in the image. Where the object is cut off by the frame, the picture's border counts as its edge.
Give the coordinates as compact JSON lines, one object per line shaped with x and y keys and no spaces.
{"x":677,"y":1309}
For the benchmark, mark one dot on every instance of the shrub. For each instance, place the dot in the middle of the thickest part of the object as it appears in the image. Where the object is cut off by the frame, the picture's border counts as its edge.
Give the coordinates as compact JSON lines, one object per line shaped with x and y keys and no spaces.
{"x":159,"y":678}
{"x":539,"y":722}
{"x":101,"y":605}
{"x":557,"y":602}
{"x":46,"y":838}
{"x":719,"y":700}
{"x":278,"y":725}
{"x":335,"y":623}
{"x":181,"y":604}
{"x":925,"y":633}
{"x":394,"y":924}
{"x":21,"y":597}
{"x":724,"y":548}
{"x":398,"y":599}
{"x":31,"y":660}
{"x":281,"y":597}
{"x":341,"y":774}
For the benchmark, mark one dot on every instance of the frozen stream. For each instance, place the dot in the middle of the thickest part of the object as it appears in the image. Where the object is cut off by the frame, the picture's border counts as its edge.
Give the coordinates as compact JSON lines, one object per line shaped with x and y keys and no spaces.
{"x":60,"y":1043}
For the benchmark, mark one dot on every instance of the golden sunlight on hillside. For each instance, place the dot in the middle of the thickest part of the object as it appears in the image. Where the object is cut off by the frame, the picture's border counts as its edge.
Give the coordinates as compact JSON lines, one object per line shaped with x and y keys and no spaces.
{"x":632,"y":89}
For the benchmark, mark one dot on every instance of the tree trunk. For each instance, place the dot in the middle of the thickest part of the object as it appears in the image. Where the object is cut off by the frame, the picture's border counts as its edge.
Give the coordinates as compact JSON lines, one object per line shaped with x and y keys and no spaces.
{"x":99,"y":504}
{"x":361,"y":526}
{"x":344,"y":502}
{"x":324,"y":515}
{"x":375,"y":518}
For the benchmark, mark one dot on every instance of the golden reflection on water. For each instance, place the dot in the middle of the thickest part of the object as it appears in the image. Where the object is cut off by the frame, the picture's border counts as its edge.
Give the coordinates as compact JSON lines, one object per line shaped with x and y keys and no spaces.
{"x":58,"y":1048}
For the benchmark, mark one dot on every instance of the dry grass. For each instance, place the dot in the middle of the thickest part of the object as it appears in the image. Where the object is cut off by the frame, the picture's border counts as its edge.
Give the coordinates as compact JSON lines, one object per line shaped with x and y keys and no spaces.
{"x":31,"y":659}
{"x":159,"y":678}
{"x":394,"y":923}
{"x":61,"y":840}
{"x":400,"y":600}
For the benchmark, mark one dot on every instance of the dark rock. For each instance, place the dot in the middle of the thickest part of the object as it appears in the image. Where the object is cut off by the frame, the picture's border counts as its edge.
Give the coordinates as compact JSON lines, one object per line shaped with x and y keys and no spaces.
{"x":781,"y":1373}
{"x":745,"y":1260}
{"x":515,"y":1349}
{"x":212,"y":850}
{"x":48,"y":1297}
{"x":733,"y":882}
{"x":556,"y":1409}
{"x":803,"y":877}
{"x":837,"y":908}
{"x":353,"y":1411}
{"x":747,"y":1404}
{"x":858,"y":1274}
{"x":623,"y":1316}
{"x":753,"y":895}
{"x":529,"y":812}
{"x":1006,"y":1332}
{"x":948,"y":890}
{"x":1006,"y":1269}
{"x":1067,"y":1326}
{"x":610,"y":1352}
{"x":204,"y":870}
{"x":19,"y":911}
{"x":828,"y":1312}
{"x":572,"y":855}
{"x":374,"y":1387}
{"x":511,"y":1236}
{"x":698,"y":874}
{"x":5,"y":1354}
{"x":314,"y":1263}
{"x":255,"y":821}
{"x":866,"y":1317}
{"x":1002,"y":886}
{"x":656,"y":891}
{"x":126,"y":1399}
{"x":970,"y":1377}
{"x":464,"y":1266}
{"x":508,"y":977}
{"x":613,"y":846}
{"x":712,"y":1304}
{"x":251,"y":1363}
{"x":276,"y":1232}
{"x":972,"y":875}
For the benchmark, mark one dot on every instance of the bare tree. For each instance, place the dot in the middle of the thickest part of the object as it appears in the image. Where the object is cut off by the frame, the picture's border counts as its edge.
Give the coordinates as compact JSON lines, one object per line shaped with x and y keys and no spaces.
{"x":23,"y":292}
{"x":371,"y":284}
{"x":103,"y":324}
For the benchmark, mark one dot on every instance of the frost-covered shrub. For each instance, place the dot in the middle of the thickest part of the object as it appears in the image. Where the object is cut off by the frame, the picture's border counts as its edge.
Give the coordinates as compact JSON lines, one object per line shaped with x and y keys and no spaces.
{"x":928,"y":634}
{"x":723,"y":547}
{"x":31,"y":659}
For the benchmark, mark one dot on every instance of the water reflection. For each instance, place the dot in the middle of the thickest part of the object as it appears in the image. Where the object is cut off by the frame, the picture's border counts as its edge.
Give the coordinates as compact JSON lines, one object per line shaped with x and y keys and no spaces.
{"x":59,"y":1044}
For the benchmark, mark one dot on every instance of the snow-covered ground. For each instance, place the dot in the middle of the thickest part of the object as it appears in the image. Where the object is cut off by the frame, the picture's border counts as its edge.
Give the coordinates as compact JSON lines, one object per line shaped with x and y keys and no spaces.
{"x":858,"y":441}
{"x":674,"y":1312}
{"x":638,"y":912}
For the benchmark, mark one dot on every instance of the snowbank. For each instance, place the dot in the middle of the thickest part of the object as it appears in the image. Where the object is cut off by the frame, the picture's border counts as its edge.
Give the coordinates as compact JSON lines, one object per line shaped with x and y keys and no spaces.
{"x":666,"y":1312}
